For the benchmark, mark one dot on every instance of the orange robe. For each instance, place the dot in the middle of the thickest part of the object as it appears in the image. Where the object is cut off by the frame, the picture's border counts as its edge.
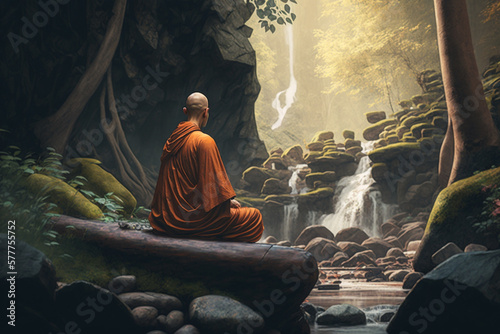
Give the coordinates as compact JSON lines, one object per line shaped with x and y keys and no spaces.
{"x":193,"y":192}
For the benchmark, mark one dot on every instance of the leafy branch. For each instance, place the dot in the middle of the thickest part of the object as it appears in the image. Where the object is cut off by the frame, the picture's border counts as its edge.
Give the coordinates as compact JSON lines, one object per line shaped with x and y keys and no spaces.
{"x":274,"y":11}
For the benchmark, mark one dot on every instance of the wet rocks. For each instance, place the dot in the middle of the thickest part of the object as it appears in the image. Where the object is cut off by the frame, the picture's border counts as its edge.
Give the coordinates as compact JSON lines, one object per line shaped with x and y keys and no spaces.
{"x":411,"y":279}
{"x":344,"y":314}
{"x":314,"y":231}
{"x":352,"y":234}
{"x":445,"y":252}
{"x":322,"y":249}
{"x":377,"y":245}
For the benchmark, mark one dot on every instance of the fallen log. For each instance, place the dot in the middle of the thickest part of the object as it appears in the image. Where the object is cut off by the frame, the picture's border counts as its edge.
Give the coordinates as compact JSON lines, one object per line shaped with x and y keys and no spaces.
{"x":271,"y":279}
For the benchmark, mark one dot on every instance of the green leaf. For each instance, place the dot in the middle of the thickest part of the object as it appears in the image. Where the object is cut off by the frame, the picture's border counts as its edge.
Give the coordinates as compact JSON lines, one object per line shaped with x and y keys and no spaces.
{"x":293,"y":16}
{"x":293,"y":1}
{"x":273,"y":28}
{"x":287,"y":8}
{"x":280,"y":20}
{"x":288,"y":20}
{"x":50,"y":149}
{"x":260,"y":13}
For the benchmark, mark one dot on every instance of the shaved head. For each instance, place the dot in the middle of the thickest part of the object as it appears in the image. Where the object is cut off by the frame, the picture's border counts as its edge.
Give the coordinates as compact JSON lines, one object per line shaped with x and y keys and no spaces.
{"x":196,"y":103}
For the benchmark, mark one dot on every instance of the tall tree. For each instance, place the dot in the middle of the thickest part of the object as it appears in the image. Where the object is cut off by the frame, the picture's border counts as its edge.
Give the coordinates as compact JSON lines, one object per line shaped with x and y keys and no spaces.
{"x":472,"y":141}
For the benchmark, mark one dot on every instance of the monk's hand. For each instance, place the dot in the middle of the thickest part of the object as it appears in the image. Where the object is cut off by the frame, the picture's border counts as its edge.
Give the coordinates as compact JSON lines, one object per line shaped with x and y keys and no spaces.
{"x":235,"y":204}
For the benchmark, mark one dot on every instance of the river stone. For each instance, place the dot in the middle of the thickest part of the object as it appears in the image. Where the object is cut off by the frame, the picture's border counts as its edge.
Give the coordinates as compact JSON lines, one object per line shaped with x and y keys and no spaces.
{"x":293,"y":156}
{"x":338,"y":258}
{"x":413,"y":245}
{"x":171,"y":322}
{"x":411,"y":279}
{"x":396,"y":252}
{"x":377,"y":245}
{"x":475,"y":248}
{"x":398,"y":275}
{"x":353,"y":234}
{"x":394,"y":242}
{"x":312,"y":232}
{"x":357,"y":260}
{"x":187,"y":329}
{"x":122,"y":284}
{"x":99,"y":306}
{"x":409,"y":235}
{"x":322,"y":248}
{"x":162,"y":302}
{"x":445,"y":252}
{"x":219,"y":314}
{"x":390,"y":229}
{"x":461,"y":296}
{"x":274,"y":186}
{"x":145,"y":316}
{"x":351,"y":248}
{"x":344,"y":314}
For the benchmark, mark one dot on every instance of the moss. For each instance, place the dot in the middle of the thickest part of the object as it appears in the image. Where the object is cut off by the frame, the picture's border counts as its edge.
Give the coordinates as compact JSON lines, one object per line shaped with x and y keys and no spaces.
{"x":434,"y":113}
{"x":329,"y":148}
{"x":391,"y":139}
{"x":354,"y":150}
{"x":251,"y":201}
{"x":412,"y":120}
{"x":322,"y":136}
{"x":391,"y":152}
{"x":67,"y":198}
{"x":318,"y":193}
{"x":372,"y":132}
{"x":101,"y":182}
{"x":283,"y":199}
{"x":337,"y":157}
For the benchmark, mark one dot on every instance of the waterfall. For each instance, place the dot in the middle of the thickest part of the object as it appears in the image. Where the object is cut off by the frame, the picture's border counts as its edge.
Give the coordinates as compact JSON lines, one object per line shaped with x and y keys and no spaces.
{"x":289,"y":218}
{"x":357,"y":203}
{"x":292,"y":87}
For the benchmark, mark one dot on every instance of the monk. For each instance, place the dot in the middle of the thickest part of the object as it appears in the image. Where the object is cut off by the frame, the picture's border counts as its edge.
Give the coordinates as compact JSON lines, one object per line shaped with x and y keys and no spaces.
{"x":193,"y":196}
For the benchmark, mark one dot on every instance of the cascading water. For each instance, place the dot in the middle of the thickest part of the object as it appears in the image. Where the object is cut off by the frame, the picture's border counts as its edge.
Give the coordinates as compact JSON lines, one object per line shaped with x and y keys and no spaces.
{"x":357,"y":203}
{"x":292,"y":87}
{"x":291,"y":212}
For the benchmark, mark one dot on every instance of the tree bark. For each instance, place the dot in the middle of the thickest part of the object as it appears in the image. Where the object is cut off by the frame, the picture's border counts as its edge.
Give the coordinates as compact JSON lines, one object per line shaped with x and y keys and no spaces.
{"x":54,"y":131}
{"x":476,"y":140}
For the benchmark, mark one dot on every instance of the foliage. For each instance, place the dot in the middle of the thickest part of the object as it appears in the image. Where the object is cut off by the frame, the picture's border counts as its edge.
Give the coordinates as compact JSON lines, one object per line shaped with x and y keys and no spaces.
{"x":274,"y":11}
{"x":489,"y":222}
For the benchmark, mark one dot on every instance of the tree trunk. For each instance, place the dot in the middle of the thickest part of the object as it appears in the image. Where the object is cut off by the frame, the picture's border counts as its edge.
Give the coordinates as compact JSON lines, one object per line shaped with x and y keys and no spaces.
{"x":54,"y":131}
{"x":476,"y":140}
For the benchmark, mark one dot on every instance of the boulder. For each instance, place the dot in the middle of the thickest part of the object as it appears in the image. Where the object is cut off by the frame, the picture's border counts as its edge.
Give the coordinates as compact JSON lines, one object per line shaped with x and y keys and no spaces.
{"x":358,"y":260}
{"x":348,"y":134}
{"x":413,"y":245}
{"x":275,"y":186}
{"x":410,"y":235}
{"x":315,"y":146}
{"x":322,"y":136}
{"x":389,"y":229}
{"x":391,"y":152}
{"x":293,"y":156}
{"x":81,"y":301}
{"x":220,"y":314}
{"x":369,"y":253}
{"x":314,"y":231}
{"x":256,"y":176}
{"x":338,"y":259}
{"x":396,"y":252}
{"x":270,"y":240}
{"x":475,"y":248}
{"x":386,"y":261}
{"x":171,"y":322}
{"x":411,"y":279}
{"x":187,"y":329}
{"x":394,"y":242}
{"x":448,"y":221}
{"x":162,"y":302}
{"x":330,"y":161}
{"x":274,"y":162}
{"x":318,"y":199}
{"x":445,"y":252}
{"x":398,"y":275}
{"x":373,"y":132}
{"x":342,"y":315}
{"x":145,"y":317}
{"x":461,"y":295}
{"x":380,"y":172}
{"x":352,"y":234}
{"x":322,"y":248}
{"x":124,"y":283}
{"x":375,"y":116}
{"x":325,"y":177}
{"x":276,"y":151}
{"x":351,"y":248}
{"x":377,"y":245}
{"x":354,"y":150}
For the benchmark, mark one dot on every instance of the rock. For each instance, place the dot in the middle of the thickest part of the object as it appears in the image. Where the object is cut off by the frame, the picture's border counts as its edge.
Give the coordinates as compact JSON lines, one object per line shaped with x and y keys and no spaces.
{"x":396,"y":252}
{"x":386,"y":261}
{"x":256,"y":176}
{"x":187,"y":329}
{"x":79,"y":302}
{"x":284,"y":243}
{"x":274,"y":162}
{"x":475,"y":248}
{"x":377,"y":245}
{"x":338,"y":259}
{"x":386,"y":317}
{"x":411,"y":279}
{"x":390,"y":229}
{"x":351,"y":248}
{"x":391,"y":152}
{"x":354,"y":150}
{"x":410,"y":235}
{"x":282,"y":199}
{"x":445,"y":252}
{"x":270,"y":240}
{"x":380,"y":172}
{"x":344,"y":314}
{"x":322,"y":249}
{"x":35,"y":284}
{"x":293,"y":156}
{"x":314,"y":231}
{"x":315,"y":146}
{"x":219,"y":314}
{"x":330,"y":162}
{"x":375,"y":116}
{"x":461,"y":296}
{"x":145,"y":316}
{"x":373,"y":132}
{"x":353,"y":234}
{"x":357,"y":260}
{"x":348,"y":134}
{"x":162,"y":302}
{"x":413,"y":245}
{"x":122,"y":284}
{"x":369,"y":253}
{"x":322,"y":136}
{"x":448,"y":221}
{"x":63,"y":195}
{"x":326,"y":177}
{"x":398,"y":275}
{"x":276,"y":151}
{"x":171,"y":322}
{"x":100,"y":182}
{"x":319,"y":199}
{"x":156,"y":332}
{"x":275,"y":186}
{"x":394,"y":242}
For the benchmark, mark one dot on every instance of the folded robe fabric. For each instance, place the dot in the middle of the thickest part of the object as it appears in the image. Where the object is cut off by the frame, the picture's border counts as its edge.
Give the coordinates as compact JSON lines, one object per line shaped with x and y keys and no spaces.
{"x":193,"y":192}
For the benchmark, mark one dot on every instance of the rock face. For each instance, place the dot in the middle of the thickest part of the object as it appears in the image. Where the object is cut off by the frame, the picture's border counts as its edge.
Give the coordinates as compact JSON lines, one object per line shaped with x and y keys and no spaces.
{"x":448,"y":221}
{"x":218,"y":314}
{"x":462,"y":295}
{"x":344,"y":314}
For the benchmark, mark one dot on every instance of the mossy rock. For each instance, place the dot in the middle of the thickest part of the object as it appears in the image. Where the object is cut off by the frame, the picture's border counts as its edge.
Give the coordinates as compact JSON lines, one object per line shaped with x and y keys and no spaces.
{"x":322,"y":136}
{"x":315,"y":146}
{"x":330,"y":161}
{"x":348,"y":134}
{"x":392,"y":139}
{"x":401,"y":130}
{"x":451,"y":219}
{"x":423,"y":106}
{"x":372,"y":132}
{"x":391,"y":152}
{"x":375,"y":116}
{"x":434,"y":113}
{"x":391,"y":127}
{"x":101,"y":182}
{"x":69,"y":200}
{"x":440,"y":122}
{"x":380,"y":143}
{"x":283,"y":199}
{"x":416,"y":129}
{"x":276,"y":150}
{"x":329,"y":148}
{"x":330,"y":142}
{"x":325,"y":177}
{"x":409,"y":139}
{"x":399,"y":114}
{"x":316,"y":194}
{"x":382,"y":134}
{"x":405,"y":104}
{"x":354,"y":150}
{"x":274,"y":162}
{"x":312,"y":156}
{"x":293,"y":156}
{"x":412,"y":120}
{"x":418,"y":99}
{"x":348,"y":143}
{"x":256,"y":176}
{"x":275,"y":186}
{"x":379,"y":172}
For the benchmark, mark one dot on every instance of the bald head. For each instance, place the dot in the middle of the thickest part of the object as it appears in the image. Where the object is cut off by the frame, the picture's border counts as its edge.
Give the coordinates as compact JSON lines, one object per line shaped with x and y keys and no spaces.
{"x":196,"y":104}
